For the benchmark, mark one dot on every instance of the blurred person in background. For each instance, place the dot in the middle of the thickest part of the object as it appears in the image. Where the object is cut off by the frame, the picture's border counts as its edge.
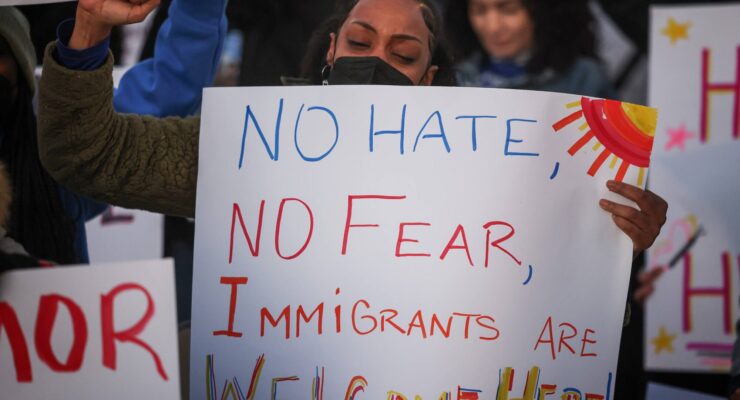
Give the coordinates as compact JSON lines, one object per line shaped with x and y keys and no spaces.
{"x":527,"y":44}
{"x":38,"y":219}
{"x":12,"y":253}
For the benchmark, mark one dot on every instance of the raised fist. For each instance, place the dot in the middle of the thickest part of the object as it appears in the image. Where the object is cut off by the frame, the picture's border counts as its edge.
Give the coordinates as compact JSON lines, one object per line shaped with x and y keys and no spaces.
{"x":95,"y":18}
{"x":117,"y":12}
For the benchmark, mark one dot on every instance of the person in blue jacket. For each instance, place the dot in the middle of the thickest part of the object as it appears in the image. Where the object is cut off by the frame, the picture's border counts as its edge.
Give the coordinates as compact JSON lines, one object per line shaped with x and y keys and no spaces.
{"x":47,"y":219}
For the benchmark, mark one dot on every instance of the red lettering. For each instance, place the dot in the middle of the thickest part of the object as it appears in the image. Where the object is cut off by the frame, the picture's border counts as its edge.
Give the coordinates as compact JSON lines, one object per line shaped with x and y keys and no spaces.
{"x":417,"y":322}
{"x":356,"y":385}
{"x":255,"y":380}
{"x":465,"y":394}
{"x":467,"y":320}
{"x":45,"y":319}
{"x":354,"y":324}
{"x":490,"y":327}
{"x":389,"y":320}
{"x":109,"y":217}
{"x":18,"y":346}
{"x":401,"y":239}
{"x":237,"y":212}
{"x":547,"y":328}
{"x":265,"y":314}
{"x":459,"y":231}
{"x":348,"y":224}
{"x":567,"y":332}
{"x":130,"y":335}
{"x":564,"y":339}
{"x":279,"y":222}
{"x":723,"y":292}
{"x":301,"y":314}
{"x":438,"y":324}
{"x":233,"y":282}
{"x":586,"y":340}
{"x":708,"y":89}
{"x":497,"y":243}
{"x":338,"y":315}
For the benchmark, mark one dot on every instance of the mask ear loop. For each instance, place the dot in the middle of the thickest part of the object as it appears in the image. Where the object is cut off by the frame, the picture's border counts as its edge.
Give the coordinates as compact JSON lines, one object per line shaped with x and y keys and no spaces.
{"x":325,"y":75}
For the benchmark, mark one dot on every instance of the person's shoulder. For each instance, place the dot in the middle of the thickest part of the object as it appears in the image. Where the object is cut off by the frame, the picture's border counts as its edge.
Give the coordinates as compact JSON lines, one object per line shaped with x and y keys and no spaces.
{"x":467,"y":71}
{"x":589,"y":67}
{"x":587,"y":76}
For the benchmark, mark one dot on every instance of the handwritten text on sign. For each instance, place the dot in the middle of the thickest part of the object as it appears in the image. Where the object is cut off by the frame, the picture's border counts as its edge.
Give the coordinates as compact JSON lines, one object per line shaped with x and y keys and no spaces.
{"x":691,"y":316}
{"x":85,"y":331}
{"x":391,"y":242}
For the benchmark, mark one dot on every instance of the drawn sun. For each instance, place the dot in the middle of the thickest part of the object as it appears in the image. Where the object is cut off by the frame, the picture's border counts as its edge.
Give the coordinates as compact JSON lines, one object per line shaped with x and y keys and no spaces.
{"x":621,"y":130}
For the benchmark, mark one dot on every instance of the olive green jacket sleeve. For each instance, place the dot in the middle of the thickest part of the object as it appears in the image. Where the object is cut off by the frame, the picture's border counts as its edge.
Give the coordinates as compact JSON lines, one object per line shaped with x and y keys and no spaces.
{"x":126,"y":160}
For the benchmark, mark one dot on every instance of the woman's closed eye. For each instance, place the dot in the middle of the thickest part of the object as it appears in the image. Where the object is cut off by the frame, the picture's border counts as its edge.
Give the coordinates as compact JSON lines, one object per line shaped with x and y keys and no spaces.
{"x":404,"y":58}
{"x":358,"y":44}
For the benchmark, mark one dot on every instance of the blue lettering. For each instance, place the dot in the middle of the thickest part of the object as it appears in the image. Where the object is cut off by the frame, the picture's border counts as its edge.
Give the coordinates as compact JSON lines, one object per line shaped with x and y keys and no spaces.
{"x":474,"y":132}
{"x":250,"y":115}
{"x":336,"y":133}
{"x":509,"y":139}
{"x":373,"y":133}
{"x":441,"y":133}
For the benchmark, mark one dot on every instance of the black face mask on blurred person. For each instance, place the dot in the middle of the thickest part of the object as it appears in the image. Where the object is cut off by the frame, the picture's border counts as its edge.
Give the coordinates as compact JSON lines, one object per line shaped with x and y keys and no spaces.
{"x":6,"y":100}
{"x":366,"y":71}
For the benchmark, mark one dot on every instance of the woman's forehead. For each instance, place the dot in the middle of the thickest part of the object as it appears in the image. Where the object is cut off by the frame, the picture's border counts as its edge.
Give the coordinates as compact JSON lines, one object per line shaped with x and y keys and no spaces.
{"x":390,"y":17}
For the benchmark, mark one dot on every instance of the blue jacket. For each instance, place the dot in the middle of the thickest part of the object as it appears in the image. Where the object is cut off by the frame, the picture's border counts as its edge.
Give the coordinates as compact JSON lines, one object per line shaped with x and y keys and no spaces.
{"x":186,"y":57}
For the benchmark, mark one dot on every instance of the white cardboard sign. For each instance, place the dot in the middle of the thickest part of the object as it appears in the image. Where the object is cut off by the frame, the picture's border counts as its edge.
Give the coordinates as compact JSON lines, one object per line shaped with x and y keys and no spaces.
{"x":391,"y":242}
{"x":695,"y":82}
{"x":121,"y":234}
{"x":89,"y":332}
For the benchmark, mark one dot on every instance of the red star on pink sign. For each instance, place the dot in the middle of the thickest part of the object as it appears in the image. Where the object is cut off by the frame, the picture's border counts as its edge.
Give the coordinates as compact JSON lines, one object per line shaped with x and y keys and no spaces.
{"x":677,"y":137}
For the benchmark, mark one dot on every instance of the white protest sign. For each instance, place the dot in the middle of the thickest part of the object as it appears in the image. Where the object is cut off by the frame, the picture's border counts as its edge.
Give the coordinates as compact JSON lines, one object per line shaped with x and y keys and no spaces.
{"x":695,"y":82}
{"x":89,"y":332}
{"x":120,"y":234}
{"x":392,"y":242}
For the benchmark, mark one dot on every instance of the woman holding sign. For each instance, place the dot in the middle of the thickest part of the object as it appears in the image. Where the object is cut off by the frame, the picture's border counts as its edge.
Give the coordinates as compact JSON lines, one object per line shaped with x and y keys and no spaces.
{"x":150,"y":163}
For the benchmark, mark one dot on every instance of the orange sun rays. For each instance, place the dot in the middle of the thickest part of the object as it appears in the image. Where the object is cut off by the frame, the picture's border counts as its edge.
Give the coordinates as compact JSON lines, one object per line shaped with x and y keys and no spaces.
{"x":625,"y":131}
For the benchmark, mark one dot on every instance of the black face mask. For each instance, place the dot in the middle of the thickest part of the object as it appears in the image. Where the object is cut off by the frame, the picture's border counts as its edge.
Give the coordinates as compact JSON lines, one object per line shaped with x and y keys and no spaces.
{"x":366,"y":71}
{"x":6,"y":100}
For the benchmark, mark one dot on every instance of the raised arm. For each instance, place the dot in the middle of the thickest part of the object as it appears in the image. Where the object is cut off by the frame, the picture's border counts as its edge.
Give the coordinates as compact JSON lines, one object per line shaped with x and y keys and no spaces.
{"x":127,"y":160}
{"x":186,"y":57}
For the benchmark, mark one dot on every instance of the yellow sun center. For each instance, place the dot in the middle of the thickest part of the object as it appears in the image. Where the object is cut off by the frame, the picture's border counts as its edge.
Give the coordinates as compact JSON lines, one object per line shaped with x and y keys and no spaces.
{"x":644,"y":118}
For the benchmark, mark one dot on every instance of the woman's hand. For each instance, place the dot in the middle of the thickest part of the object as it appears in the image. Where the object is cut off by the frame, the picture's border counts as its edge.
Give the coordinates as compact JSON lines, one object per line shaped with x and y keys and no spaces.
{"x":96,"y":18}
{"x":641,"y":225}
